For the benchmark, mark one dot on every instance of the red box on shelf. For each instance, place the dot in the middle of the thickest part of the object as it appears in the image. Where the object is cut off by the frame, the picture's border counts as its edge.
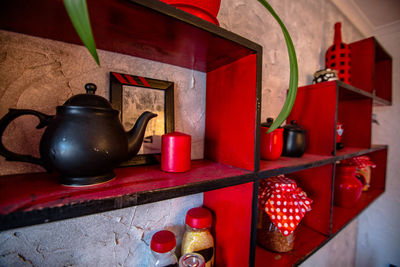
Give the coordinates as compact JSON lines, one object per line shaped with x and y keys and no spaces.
{"x":371,"y":68}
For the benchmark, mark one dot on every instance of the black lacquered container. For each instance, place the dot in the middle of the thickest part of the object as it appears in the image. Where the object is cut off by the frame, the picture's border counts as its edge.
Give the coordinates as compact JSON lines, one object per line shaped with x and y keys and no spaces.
{"x":294,"y":140}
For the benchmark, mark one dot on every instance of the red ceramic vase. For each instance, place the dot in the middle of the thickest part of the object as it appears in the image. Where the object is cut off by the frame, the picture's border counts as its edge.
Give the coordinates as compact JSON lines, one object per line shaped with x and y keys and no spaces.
{"x":271,"y":144}
{"x":347,"y":187}
{"x":205,"y":9}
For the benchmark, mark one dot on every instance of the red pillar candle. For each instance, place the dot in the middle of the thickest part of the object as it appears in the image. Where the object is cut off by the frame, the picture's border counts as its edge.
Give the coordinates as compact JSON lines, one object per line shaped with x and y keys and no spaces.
{"x":175,"y":152}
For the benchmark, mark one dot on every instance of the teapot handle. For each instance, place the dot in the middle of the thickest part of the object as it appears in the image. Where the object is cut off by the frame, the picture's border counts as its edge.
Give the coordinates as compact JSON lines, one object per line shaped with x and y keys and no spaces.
{"x":7,"y":119}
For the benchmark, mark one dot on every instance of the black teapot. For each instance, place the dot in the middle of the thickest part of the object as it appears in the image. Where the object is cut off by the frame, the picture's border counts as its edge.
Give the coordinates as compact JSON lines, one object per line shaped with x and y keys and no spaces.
{"x":84,"y":141}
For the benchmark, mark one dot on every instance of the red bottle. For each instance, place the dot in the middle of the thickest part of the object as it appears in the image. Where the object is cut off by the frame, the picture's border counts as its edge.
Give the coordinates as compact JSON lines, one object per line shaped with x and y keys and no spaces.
{"x":271,"y":144}
{"x":347,"y":187}
{"x":338,"y":56}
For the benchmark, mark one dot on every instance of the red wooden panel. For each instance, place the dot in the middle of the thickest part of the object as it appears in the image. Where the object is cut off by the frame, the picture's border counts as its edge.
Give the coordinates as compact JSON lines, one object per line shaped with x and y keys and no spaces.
{"x":288,"y":162}
{"x":362,"y":64}
{"x":378,"y":174}
{"x":34,"y":191}
{"x":383,"y":79}
{"x":315,"y":110}
{"x":317,"y":183}
{"x":232,"y":209}
{"x":307,"y":240}
{"x":356,"y":117}
{"x":128,"y":28}
{"x":231,"y":113}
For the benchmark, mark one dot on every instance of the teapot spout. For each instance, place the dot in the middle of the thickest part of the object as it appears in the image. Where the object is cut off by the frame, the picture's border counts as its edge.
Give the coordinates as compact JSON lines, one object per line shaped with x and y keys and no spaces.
{"x":136,"y":134}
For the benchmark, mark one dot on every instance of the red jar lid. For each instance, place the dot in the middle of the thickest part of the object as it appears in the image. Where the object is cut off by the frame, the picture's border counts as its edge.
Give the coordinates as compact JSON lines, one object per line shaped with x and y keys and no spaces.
{"x":199,"y":218}
{"x":163,"y":241}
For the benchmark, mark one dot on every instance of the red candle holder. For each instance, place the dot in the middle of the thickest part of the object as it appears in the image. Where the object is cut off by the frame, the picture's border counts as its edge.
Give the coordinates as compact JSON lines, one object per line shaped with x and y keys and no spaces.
{"x":175,"y":152}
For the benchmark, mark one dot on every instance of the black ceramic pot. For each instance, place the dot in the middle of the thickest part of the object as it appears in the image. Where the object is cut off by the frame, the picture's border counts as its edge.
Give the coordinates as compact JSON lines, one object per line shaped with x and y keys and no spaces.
{"x":84,"y":141}
{"x":294,"y":140}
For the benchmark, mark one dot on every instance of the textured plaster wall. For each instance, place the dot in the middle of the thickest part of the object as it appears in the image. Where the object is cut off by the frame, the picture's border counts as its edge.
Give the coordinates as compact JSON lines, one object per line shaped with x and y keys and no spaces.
{"x":41,"y":74}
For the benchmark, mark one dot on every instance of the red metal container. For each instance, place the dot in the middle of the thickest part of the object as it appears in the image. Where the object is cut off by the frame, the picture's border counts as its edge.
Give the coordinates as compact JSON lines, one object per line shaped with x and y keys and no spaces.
{"x":338,"y":56}
{"x":175,"y":152}
{"x":271,"y":144}
{"x":205,"y":9}
{"x":347,"y":187}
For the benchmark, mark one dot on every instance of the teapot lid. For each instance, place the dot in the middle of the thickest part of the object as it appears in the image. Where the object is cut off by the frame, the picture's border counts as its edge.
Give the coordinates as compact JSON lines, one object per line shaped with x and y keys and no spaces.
{"x":89,"y":99}
{"x":293,"y":126}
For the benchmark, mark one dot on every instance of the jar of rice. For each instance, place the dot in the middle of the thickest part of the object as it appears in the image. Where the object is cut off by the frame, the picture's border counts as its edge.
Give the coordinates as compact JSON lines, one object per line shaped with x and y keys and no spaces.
{"x":197,"y":237}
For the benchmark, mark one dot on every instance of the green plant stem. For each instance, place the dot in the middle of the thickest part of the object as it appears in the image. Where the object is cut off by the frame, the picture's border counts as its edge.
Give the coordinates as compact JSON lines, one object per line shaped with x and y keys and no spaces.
{"x":293,"y":80}
{"x":78,"y":13}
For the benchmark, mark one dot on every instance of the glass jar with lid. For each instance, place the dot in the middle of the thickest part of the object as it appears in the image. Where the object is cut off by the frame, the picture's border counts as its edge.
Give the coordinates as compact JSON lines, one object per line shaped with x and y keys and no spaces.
{"x":191,"y":260}
{"x":197,"y":237}
{"x":162,"y":246}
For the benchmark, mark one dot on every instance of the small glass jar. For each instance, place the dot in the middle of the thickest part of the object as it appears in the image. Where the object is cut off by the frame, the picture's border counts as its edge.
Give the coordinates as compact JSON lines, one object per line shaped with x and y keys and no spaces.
{"x":269,"y":236}
{"x":162,"y":246}
{"x":197,"y":237}
{"x":191,"y":260}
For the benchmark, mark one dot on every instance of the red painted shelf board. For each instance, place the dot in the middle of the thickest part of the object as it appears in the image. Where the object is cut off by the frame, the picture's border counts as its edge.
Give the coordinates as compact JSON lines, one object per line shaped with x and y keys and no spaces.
{"x":28,"y":192}
{"x":342,"y":216}
{"x":348,"y":152}
{"x":289,"y":164}
{"x":306,"y":242}
{"x":232,"y":225}
{"x":143,"y":28}
{"x":231,"y":99}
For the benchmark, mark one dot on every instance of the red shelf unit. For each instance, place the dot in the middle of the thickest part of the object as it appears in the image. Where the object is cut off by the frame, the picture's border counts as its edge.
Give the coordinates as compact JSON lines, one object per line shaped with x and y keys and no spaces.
{"x":230,"y":173}
{"x":371,"y":68}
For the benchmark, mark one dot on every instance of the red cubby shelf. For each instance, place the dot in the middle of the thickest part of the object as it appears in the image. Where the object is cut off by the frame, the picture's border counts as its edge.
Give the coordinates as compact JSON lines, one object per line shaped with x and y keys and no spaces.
{"x":342,"y":216}
{"x":371,"y":68}
{"x":319,"y":106}
{"x":307,"y":241}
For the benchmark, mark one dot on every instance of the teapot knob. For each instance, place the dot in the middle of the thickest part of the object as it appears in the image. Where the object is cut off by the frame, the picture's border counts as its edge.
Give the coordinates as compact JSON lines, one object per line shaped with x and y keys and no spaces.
{"x":90,"y":88}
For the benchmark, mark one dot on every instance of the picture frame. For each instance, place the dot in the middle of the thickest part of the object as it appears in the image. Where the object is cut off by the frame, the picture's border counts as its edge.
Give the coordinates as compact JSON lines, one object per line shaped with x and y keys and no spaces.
{"x":131,"y":95}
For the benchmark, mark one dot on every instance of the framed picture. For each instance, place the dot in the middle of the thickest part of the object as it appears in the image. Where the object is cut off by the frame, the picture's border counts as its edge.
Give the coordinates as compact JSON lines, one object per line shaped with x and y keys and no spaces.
{"x":132,"y":95}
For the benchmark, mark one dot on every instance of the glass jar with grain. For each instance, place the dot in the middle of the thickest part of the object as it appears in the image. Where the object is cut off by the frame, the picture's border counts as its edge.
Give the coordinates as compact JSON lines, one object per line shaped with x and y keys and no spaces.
{"x":197,"y":237}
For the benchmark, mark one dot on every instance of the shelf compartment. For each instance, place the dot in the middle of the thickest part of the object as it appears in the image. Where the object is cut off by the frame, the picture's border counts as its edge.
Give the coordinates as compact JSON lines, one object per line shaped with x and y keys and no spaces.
{"x":342,"y":216}
{"x":317,"y":183}
{"x":371,"y":68}
{"x":307,"y":241}
{"x":148,"y":29}
{"x":157,"y":31}
{"x":315,"y":109}
{"x":29,"y":199}
{"x":232,"y":229}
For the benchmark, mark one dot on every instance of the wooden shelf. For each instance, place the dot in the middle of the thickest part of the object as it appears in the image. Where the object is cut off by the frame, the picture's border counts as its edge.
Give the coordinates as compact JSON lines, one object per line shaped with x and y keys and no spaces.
{"x":37,"y":198}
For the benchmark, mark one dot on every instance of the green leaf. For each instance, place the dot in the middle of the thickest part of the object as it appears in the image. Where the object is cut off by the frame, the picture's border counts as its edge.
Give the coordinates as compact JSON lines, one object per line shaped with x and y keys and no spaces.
{"x":78,"y":13}
{"x":293,"y":80}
